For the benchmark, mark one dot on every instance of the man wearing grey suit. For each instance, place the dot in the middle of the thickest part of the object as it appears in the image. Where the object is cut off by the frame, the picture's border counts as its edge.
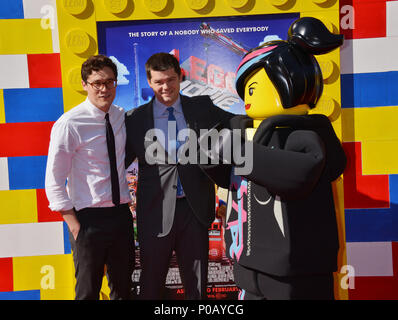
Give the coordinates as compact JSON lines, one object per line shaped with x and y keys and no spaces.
{"x":175,"y":201}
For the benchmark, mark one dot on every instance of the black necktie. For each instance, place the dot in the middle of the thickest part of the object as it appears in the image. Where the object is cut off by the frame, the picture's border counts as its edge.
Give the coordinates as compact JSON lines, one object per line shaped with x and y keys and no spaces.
{"x":110,"y":141}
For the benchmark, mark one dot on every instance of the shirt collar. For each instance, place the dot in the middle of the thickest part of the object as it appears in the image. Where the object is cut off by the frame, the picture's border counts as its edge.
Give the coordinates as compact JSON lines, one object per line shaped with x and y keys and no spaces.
{"x":96,"y":112}
{"x":161,"y":110}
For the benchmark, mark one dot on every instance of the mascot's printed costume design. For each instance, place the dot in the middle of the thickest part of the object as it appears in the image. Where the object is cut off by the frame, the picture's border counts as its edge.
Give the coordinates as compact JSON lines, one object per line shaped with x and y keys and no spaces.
{"x":281,"y":228}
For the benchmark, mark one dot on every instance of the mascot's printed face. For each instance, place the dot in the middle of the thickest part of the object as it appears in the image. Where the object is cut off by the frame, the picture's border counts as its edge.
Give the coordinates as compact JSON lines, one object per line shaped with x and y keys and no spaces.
{"x":262,"y":100}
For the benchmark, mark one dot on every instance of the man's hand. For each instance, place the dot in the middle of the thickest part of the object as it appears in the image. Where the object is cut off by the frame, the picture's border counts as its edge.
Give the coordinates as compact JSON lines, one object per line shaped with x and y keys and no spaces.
{"x":72,"y":222}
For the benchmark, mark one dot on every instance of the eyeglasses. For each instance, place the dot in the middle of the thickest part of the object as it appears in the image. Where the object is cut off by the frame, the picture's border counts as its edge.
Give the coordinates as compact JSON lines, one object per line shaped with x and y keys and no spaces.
{"x":109,"y":84}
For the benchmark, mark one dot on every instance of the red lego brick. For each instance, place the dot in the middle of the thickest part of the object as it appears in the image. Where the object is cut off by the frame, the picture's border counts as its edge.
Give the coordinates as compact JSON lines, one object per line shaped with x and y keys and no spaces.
{"x":363,"y":191}
{"x":44,"y":214}
{"x":368,"y":17}
{"x":6,"y":278}
{"x":25,"y":139}
{"x":374,"y":288}
{"x":44,"y":70}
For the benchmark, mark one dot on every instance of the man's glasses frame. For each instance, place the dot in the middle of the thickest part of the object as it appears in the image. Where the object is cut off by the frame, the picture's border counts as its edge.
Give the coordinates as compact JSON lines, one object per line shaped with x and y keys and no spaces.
{"x":109,"y":84}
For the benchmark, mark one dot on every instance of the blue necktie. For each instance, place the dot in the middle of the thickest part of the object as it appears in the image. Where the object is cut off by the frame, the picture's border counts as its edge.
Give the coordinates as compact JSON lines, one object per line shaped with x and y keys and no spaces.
{"x":174,"y":144}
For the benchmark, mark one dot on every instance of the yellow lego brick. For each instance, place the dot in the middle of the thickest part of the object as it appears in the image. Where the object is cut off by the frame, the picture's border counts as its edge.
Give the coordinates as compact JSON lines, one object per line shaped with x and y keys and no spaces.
{"x":2,"y":111}
{"x":53,"y":275}
{"x":329,"y":63}
{"x":337,"y":128}
{"x":78,"y":40}
{"x":376,"y":129}
{"x":330,"y":17}
{"x":341,"y":291}
{"x":114,"y":10}
{"x":328,"y":106}
{"x":380,"y":157}
{"x":369,"y":124}
{"x":338,"y":196}
{"x":18,"y":206}
{"x":105,"y":291}
{"x":24,"y":36}
{"x":330,"y":101}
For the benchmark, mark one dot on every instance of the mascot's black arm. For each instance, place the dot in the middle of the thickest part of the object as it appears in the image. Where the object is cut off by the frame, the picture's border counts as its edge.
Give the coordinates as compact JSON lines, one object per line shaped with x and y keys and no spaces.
{"x":292,"y":172}
{"x":311,"y":149}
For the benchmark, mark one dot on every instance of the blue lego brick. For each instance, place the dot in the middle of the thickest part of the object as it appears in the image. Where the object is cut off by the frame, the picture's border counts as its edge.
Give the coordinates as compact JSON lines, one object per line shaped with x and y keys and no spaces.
{"x":33,"y":104}
{"x":27,"y":172}
{"x":369,"y":89}
{"x":11,"y":9}
{"x":20,"y":295}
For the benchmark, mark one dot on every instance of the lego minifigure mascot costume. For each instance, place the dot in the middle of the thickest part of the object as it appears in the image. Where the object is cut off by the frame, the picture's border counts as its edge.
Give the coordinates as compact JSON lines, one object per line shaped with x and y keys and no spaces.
{"x":281,"y":228}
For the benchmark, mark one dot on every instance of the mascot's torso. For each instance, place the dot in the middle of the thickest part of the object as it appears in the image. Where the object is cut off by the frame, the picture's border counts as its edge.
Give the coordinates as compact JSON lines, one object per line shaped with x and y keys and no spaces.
{"x":281,"y":237}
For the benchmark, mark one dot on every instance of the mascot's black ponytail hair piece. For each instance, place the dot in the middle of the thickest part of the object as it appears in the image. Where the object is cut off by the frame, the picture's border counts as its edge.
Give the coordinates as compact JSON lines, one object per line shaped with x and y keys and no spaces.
{"x":291,"y":65}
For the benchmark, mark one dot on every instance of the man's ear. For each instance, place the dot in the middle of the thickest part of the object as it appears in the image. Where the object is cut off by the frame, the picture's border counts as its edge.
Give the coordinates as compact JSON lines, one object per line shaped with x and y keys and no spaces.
{"x":84,"y":85}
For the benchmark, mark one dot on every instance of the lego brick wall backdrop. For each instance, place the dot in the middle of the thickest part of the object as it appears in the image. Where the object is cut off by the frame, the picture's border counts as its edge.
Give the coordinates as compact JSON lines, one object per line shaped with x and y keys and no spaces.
{"x":369,"y":80}
{"x":38,"y":68}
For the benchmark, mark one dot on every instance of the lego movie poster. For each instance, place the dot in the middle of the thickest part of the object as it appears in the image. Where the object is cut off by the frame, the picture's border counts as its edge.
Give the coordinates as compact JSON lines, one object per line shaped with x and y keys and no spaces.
{"x":209,"y":51}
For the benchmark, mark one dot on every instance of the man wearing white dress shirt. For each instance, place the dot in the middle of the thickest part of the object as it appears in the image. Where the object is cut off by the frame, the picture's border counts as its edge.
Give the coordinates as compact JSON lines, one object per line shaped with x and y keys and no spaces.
{"x":86,"y":183}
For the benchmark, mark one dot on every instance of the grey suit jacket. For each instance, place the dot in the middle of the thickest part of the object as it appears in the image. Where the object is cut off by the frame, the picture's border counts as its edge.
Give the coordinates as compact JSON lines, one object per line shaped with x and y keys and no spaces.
{"x":157,"y":182}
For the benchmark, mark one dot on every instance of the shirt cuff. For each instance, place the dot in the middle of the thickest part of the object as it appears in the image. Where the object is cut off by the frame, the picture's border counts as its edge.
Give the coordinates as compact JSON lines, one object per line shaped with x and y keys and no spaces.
{"x":61,"y":206}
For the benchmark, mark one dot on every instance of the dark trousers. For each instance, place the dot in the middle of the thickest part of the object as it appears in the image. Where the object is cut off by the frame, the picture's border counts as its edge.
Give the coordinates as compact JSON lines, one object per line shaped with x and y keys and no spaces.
{"x":256,"y":285}
{"x":106,"y":238}
{"x":189,"y":239}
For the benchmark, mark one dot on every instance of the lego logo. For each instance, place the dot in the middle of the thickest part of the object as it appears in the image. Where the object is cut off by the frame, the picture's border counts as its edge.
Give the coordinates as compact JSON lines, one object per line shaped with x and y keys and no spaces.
{"x":327,"y":106}
{"x":74,"y":79}
{"x":197,"y":4}
{"x":327,"y":68}
{"x":77,"y":41}
{"x":156,"y":5}
{"x":116,"y":6}
{"x":75,"y":6}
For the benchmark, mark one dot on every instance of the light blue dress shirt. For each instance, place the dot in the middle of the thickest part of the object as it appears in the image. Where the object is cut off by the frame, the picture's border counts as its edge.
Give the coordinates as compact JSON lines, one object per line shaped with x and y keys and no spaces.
{"x":160,"y":117}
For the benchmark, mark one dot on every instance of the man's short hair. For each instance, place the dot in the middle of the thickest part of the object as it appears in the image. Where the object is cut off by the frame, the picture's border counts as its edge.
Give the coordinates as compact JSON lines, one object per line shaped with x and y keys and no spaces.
{"x":161,"y":62}
{"x":97,"y":63}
